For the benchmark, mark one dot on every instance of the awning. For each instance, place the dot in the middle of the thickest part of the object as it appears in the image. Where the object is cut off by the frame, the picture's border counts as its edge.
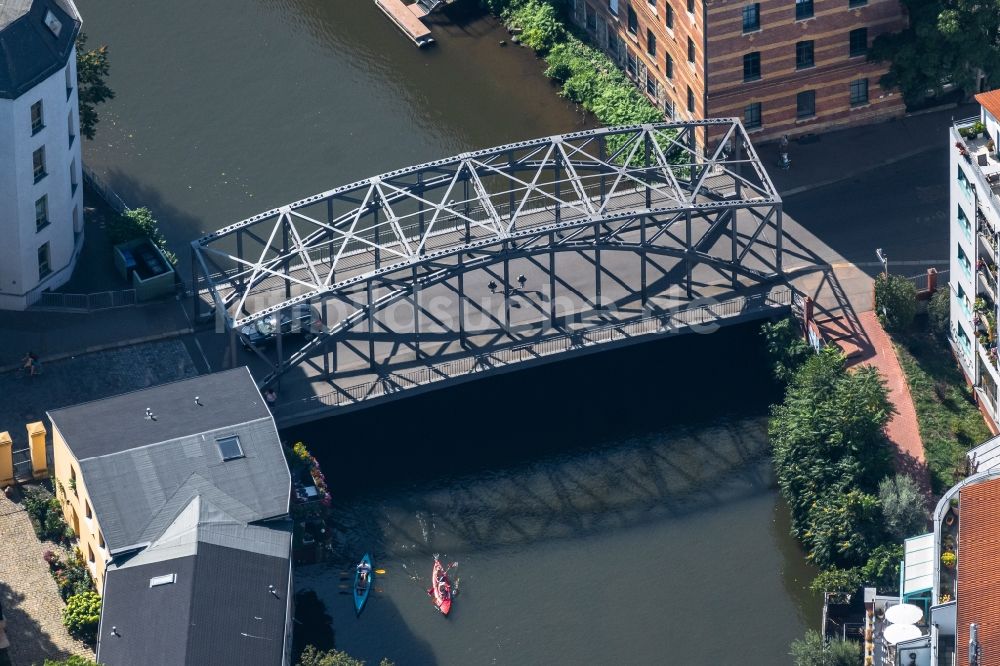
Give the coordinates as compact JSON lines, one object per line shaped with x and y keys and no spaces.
{"x":918,"y":564}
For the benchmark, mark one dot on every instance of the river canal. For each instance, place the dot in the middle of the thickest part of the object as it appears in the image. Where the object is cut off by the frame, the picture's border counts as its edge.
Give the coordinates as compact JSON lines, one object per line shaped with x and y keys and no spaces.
{"x":617,"y":508}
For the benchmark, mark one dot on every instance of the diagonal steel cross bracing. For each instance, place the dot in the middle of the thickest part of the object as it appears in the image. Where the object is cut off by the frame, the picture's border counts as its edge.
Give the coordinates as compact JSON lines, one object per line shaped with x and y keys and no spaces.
{"x":648,"y":190}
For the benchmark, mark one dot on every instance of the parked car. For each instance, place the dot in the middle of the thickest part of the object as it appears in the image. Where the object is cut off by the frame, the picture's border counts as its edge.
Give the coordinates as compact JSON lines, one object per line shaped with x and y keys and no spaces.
{"x":265,"y":330}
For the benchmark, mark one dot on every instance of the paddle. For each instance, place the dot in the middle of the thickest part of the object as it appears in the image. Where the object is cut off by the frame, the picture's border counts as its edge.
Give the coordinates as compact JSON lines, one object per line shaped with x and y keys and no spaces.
{"x":380,"y":572}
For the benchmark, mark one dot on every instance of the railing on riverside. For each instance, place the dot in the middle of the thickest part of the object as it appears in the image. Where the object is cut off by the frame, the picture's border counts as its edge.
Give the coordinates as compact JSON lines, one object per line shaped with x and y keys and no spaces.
{"x":102,"y":300}
{"x":104,"y":190}
{"x":395,"y":382}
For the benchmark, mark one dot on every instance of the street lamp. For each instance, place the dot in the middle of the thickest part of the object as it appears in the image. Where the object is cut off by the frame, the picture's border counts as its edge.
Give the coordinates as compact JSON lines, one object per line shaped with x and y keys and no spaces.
{"x":884,"y":258}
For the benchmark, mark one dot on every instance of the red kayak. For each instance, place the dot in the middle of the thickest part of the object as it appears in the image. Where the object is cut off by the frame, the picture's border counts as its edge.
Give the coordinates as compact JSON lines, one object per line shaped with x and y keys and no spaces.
{"x":441,"y":587}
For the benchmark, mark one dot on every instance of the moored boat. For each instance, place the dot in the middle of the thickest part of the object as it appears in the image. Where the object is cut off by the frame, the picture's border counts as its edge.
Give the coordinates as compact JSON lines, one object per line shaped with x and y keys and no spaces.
{"x":363,"y":580}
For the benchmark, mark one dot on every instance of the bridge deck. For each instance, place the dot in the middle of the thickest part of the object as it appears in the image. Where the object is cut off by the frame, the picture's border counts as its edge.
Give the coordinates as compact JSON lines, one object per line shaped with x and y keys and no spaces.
{"x":410,"y":374}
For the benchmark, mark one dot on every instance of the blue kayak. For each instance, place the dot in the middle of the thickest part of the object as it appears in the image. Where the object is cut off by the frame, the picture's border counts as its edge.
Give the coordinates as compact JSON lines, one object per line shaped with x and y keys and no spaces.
{"x":363,"y":588}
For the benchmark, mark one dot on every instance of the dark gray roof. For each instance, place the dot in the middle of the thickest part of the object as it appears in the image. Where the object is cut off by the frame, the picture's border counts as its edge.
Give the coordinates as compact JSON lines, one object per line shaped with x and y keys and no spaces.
{"x":220,"y":610}
{"x":140,"y":474}
{"x":29,"y":51}
{"x":227,"y":398}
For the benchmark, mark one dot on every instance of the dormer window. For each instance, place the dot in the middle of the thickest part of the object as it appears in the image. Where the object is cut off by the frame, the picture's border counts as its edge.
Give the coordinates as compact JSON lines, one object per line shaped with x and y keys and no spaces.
{"x":229,"y":448}
{"x":52,"y":23}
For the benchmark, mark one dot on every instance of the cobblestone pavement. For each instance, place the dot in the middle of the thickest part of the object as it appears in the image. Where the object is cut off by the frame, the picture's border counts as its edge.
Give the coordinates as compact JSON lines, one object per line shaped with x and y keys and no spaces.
{"x":31,"y":602}
{"x":88,"y":377}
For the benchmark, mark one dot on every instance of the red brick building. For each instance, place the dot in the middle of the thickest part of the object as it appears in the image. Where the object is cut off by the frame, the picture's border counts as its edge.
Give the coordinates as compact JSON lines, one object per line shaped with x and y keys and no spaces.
{"x":783,"y":66}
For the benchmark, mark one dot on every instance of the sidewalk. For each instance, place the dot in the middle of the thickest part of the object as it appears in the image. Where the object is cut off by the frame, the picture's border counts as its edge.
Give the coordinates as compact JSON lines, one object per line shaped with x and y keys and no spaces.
{"x":824,"y":159}
{"x":903,"y":430}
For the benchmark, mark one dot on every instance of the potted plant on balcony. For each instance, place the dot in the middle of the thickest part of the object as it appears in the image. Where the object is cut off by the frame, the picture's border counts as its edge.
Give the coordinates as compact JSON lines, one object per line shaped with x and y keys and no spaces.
{"x":948,"y":559}
{"x":962,"y":149}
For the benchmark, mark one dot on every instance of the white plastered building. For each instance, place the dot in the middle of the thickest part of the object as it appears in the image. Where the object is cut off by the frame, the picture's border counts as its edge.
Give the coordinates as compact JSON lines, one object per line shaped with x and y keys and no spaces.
{"x":41,"y":192}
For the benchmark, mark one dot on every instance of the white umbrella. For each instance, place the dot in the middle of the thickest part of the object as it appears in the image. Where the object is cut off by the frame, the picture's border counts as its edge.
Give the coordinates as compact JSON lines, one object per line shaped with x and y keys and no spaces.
{"x":897,"y":633}
{"x":904,"y":614}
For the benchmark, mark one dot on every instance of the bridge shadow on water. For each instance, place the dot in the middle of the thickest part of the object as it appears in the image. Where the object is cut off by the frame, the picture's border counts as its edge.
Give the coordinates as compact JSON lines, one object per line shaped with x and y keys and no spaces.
{"x":661,"y":429}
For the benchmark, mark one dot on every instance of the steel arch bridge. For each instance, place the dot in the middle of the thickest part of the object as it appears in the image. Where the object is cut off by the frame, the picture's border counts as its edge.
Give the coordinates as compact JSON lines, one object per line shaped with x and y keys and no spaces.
{"x":709,"y":220}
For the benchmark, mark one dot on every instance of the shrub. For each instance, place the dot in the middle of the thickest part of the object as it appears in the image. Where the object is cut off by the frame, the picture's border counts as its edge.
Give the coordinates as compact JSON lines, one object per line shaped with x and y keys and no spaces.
{"x":838,"y":582}
{"x":813,"y":650}
{"x":948,"y":559}
{"x":902,"y":506}
{"x":895,"y":302}
{"x":82,"y":615}
{"x":313,"y":657}
{"x":786,"y":347}
{"x":939,"y":312}
{"x":45,"y":513}
{"x":138,"y":223}
{"x":539,"y":24}
{"x":72,"y":660}
{"x":882,"y":568}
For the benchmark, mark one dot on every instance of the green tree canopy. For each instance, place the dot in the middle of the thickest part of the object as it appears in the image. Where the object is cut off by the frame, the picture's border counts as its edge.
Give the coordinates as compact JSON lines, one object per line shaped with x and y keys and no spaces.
{"x":939,"y":312}
{"x":895,"y":302}
{"x":814,"y":651}
{"x":72,"y":660}
{"x":830,"y":452}
{"x":313,"y":657}
{"x":92,"y":69}
{"x":786,"y":347}
{"x":903,"y":506}
{"x":945,"y":41}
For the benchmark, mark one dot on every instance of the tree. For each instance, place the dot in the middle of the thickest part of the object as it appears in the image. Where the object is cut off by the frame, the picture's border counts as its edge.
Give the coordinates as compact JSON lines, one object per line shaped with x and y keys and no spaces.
{"x":313,"y":657}
{"x":786,"y":347}
{"x":830,"y":452}
{"x":138,"y":223}
{"x":902,"y":506}
{"x":939,"y":312}
{"x":72,"y":660}
{"x":838,"y":582}
{"x":82,"y":615}
{"x":92,"y":69}
{"x":895,"y":302}
{"x":814,"y":651}
{"x":946,"y":41}
{"x":882,"y":568}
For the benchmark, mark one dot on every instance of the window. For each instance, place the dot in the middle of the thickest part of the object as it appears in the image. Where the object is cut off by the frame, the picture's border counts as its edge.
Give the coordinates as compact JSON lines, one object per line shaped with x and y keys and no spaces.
{"x":859,"y":42}
{"x":751,"y":116}
{"x":652,"y":87}
{"x":230,"y":447}
{"x":859,"y":92}
{"x":591,"y":18}
{"x":857,"y":3}
{"x":72,"y":470}
{"x":90,"y":553}
{"x":165,"y":579}
{"x":751,"y":17}
{"x":804,"y":55}
{"x":805,"y":104}
{"x":72,"y":177}
{"x":669,"y":66}
{"x":37,"y":122}
{"x":690,"y":100}
{"x":669,"y":16}
{"x":803,"y":9}
{"x":612,"y":41}
{"x":69,"y":80}
{"x":652,"y":4}
{"x":650,"y":43}
{"x":631,"y":64}
{"x":38,"y":163}
{"x":690,"y":50}
{"x":100,"y":539}
{"x":751,"y":66}
{"x":44,"y":268}
{"x":87,"y":510}
{"x":690,"y":6}
{"x":42,"y":213}
{"x":669,"y":110}
{"x":633,"y":21}
{"x":69,"y":128}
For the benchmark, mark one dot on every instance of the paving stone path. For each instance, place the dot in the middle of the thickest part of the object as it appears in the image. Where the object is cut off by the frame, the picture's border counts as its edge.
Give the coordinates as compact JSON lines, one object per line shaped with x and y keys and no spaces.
{"x":31,"y":602}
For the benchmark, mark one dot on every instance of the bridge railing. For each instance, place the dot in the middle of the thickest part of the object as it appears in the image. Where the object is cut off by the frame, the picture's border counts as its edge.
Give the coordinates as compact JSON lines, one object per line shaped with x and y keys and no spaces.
{"x":518,"y":352}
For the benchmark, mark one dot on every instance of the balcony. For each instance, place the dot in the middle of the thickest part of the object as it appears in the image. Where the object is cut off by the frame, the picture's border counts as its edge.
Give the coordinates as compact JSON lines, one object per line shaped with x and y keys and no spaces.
{"x":988,"y":270}
{"x":980,"y":153}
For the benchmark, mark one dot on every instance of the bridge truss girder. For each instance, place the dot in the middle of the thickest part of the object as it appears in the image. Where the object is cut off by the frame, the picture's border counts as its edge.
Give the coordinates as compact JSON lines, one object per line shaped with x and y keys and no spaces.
{"x":646,"y":189}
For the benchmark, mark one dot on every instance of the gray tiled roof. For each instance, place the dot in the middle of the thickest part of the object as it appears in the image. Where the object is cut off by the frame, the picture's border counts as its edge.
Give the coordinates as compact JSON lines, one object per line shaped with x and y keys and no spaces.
{"x":29,"y":51}
{"x":220,"y":610}
{"x":226,"y":399}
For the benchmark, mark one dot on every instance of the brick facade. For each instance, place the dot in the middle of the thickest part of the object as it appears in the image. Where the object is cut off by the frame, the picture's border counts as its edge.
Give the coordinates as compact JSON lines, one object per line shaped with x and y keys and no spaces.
{"x":823,"y":67}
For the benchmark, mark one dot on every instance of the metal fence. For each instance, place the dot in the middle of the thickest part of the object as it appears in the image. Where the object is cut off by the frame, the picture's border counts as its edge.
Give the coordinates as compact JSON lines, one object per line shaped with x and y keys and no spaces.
{"x":102,"y":300}
{"x":104,"y":190}
{"x":704,"y":315}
